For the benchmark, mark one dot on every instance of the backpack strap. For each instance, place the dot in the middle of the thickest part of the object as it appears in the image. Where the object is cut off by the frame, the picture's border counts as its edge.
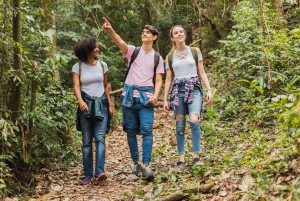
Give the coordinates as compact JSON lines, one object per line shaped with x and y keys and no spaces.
{"x":80,"y":66}
{"x":156,"y":61}
{"x":170,"y":61}
{"x":101,"y":64}
{"x":133,"y":57}
{"x":170,"y":58}
{"x":195,"y":55}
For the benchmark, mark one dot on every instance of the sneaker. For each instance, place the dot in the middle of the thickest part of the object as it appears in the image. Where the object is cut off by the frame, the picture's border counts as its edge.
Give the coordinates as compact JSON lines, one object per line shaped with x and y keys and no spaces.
{"x":147,"y":173}
{"x":101,"y":177}
{"x":198,"y":162}
{"x":137,"y":169}
{"x":178,"y":166}
{"x":87,"y":180}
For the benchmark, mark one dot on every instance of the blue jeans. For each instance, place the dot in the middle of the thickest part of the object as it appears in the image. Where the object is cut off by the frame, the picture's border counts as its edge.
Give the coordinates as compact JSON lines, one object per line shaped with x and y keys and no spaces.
{"x":92,"y":128}
{"x":138,"y":119}
{"x":194,"y":107}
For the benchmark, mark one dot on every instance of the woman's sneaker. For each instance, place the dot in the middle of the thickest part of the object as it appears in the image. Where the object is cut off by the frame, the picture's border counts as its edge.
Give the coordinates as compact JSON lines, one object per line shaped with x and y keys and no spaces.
{"x":178,"y":166}
{"x":87,"y":180}
{"x":137,"y":169}
{"x":198,"y":162}
{"x":101,"y":177}
{"x":147,"y":173}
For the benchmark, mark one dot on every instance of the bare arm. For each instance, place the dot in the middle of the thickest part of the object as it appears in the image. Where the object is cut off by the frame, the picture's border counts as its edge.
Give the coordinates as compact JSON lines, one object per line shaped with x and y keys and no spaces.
{"x":168,"y":83}
{"x":76,"y":84}
{"x":110,"y":103}
{"x":158,"y":84}
{"x":204,"y":79}
{"x":114,"y":36}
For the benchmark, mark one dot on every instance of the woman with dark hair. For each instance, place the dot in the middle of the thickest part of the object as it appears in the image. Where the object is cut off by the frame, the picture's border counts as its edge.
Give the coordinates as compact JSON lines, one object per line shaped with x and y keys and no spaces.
{"x":186,"y":92}
{"x":91,"y":91}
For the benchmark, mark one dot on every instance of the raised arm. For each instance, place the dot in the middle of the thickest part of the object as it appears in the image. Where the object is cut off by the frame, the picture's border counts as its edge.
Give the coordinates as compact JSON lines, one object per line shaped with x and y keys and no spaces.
{"x":114,"y":36}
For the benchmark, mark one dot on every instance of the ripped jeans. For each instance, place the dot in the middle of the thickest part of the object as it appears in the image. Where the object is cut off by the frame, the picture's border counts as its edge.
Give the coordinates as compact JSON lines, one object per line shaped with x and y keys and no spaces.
{"x":180,"y":115}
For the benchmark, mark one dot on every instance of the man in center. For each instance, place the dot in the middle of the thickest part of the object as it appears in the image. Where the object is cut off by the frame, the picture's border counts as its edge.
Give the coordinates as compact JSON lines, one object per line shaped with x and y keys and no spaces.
{"x":140,"y":95}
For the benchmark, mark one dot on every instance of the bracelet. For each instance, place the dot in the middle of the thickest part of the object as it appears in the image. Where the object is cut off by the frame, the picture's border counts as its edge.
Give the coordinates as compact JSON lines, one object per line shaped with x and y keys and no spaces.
{"x":209,"y":89}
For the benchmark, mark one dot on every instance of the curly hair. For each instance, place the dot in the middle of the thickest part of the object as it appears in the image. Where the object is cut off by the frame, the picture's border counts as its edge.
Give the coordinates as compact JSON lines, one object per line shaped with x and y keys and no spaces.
{"x":84,"y":47}
{"x":152,"y":29}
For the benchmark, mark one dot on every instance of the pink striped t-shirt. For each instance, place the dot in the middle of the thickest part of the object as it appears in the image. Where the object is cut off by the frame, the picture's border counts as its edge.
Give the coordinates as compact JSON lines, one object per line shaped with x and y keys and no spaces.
{"x":142,"y":69}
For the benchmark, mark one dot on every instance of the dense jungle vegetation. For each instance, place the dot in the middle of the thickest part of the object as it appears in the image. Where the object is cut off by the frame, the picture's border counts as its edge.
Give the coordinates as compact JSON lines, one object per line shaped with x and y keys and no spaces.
{"x":251,"y":50}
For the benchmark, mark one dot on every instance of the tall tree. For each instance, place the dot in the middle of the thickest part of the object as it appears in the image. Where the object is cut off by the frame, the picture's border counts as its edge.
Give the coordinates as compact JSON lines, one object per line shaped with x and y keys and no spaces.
{"x":16,"y":85}
{"x":49,"y":28}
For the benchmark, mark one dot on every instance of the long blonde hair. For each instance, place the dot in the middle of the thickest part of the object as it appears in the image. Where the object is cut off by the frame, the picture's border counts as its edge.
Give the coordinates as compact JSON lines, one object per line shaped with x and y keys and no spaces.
{"x":171,"y":35}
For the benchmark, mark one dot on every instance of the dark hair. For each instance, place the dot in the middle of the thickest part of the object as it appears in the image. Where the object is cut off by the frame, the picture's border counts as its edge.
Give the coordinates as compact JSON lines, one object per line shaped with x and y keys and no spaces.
{"x":152,"y":29}
{"x":84,"y":47}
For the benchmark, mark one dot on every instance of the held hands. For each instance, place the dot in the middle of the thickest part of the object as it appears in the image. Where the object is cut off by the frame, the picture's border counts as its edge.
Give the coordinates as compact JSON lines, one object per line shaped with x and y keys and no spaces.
{"x":106,"y":26}
{"x":153,"y":100}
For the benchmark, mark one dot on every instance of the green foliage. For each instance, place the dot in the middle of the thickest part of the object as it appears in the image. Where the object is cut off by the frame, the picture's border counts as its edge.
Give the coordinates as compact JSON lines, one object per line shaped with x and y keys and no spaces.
{"x":258,"y":51}
{"x":52,"y":116}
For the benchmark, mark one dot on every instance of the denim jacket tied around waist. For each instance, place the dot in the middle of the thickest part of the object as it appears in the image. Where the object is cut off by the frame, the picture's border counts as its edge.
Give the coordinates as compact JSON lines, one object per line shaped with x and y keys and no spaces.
{"x":128,"y":97}
{"x":95,"y":108}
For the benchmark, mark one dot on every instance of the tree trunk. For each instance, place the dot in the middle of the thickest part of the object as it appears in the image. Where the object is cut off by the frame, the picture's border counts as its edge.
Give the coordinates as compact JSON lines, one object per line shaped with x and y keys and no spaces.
{"x":16,"y":85}
{"x":34,"y":87}
{"x":278,"y":7}
{"x":5,"y":63}
{"x":48,"y":25}
{"x":151,"y":21}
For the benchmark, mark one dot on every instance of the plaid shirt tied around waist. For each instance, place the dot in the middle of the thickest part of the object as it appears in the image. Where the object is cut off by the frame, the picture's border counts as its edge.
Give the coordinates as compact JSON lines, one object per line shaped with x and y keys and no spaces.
{"x":189,"y":84}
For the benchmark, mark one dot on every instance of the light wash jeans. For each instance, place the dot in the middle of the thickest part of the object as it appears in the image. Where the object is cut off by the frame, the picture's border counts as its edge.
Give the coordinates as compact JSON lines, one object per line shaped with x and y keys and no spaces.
{"x":93,"y":128}
{"x":194,"y":107}
{"x":138,"y":119}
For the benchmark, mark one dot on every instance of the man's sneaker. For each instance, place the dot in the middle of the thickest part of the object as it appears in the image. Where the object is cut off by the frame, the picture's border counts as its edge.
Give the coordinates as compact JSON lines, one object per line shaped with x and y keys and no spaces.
{"x":147,"y":173}
{"x":178,"y":166}
{"x":101,"y":177}
{"x":198,"y":162}
{"x":137,"y":169}
{"x":87,"y":180}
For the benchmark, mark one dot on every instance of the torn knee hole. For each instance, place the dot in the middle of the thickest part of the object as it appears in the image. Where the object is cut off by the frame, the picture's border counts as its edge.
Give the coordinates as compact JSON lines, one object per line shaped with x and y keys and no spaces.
{"x":194,"y":118}
{"x":178,"y":117}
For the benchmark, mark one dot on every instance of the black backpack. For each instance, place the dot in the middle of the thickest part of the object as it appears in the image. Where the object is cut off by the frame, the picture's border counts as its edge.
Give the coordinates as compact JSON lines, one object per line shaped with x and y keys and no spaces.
{"x":133,"y":57}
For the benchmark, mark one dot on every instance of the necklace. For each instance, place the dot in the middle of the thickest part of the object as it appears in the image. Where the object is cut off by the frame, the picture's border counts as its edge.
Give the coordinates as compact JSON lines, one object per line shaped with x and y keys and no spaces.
{"x":181,"y":54}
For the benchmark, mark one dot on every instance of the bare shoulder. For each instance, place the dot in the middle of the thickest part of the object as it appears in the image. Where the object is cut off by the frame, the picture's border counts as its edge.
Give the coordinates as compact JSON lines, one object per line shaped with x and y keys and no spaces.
{"x":198,"y":50}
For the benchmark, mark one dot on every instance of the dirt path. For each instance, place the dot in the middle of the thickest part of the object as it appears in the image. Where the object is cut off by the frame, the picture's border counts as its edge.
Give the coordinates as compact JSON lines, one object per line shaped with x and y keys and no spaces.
{"x":65,"y":185}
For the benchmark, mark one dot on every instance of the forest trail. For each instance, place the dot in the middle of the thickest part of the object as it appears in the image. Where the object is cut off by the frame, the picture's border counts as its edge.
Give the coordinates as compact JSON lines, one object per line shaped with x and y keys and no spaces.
{"x":65,"y":185}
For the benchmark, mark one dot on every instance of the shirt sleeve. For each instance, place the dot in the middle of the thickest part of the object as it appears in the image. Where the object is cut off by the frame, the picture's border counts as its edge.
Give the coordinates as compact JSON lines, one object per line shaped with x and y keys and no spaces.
{"x":105,"y":66}
{"x":200,"y":58}
{"x":75,"y":68}
{"x":167,"y":65}
{"x":129,"y":52}
{"x":160,"y":67}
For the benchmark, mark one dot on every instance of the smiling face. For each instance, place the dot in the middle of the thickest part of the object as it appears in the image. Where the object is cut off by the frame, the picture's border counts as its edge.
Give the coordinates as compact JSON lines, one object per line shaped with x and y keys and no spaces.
{"x":147,"y":36}
{"x":95,"y":52}
{"x":178,"y":34}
